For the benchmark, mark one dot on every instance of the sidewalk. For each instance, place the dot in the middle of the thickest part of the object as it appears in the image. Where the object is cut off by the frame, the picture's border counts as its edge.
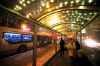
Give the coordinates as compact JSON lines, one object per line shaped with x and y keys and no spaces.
{"x":46,"y":55}
{"x":58,"y":60}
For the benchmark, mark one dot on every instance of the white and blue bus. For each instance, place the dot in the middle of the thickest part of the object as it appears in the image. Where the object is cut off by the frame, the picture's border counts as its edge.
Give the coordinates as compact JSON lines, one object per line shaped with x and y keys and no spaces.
{"x":13,"y":39}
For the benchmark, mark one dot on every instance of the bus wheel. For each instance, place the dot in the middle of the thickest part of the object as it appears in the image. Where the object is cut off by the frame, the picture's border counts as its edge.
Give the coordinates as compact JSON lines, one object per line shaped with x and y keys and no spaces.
{"x":22,"y":48}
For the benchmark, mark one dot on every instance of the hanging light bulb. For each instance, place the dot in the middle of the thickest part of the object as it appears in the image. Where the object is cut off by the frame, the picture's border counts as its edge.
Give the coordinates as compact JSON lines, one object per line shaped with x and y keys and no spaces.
{"x":61,"y":4}
{"x":42,"y":3}
{"x":20,"y":2}
{"x":52,"y":1}
{"x":90,"y":1}
{"x":28,"y":2}
{"x":24,"y":4}
{"x":40,"y":8}
{"x":72,"y":2}
{"x":77,"y":1}
{"x":66,"y":3}
{"x":83,"y":3}
{"x":32,"y":0}
{"x":47,"y":5}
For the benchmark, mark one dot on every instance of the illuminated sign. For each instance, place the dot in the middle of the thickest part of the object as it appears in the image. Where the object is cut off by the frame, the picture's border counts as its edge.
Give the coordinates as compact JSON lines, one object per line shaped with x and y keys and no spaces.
{"x":12,"y":37}
{"x":16,"y":37}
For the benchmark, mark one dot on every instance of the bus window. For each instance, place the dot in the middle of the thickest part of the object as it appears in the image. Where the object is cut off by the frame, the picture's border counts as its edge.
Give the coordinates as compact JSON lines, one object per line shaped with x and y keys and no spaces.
{"x":27,"y":37}
{"x":12,"y":37}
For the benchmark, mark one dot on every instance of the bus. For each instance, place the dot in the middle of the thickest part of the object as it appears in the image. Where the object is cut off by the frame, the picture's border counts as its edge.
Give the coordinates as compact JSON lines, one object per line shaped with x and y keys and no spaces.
{"x":13,"y":39}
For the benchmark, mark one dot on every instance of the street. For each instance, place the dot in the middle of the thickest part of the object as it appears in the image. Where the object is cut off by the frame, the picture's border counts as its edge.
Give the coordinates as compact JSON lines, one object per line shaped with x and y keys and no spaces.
{"x":22,"y":59}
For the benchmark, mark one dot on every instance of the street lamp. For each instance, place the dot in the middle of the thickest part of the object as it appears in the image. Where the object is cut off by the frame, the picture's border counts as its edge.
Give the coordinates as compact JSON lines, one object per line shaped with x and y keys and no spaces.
{"x":25,"y":28}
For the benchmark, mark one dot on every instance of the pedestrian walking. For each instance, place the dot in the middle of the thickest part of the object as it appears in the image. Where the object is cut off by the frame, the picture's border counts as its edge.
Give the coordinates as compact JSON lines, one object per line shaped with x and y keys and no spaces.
{"x":62,"y":46}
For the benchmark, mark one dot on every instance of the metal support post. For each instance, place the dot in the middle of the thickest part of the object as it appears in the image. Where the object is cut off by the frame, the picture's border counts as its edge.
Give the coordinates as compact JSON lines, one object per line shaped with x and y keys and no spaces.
{"x":34,"y":45}
{"x":81,"y":38}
